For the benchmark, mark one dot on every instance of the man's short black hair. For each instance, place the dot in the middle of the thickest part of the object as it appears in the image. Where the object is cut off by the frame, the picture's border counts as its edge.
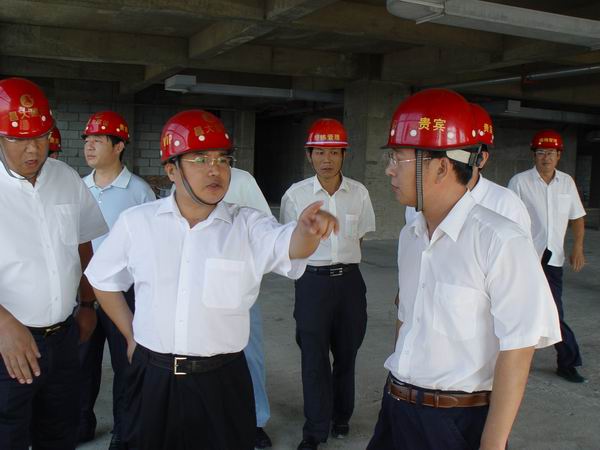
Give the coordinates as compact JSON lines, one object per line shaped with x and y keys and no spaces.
{"x":463,"y":171}
{"x":310,"y":150}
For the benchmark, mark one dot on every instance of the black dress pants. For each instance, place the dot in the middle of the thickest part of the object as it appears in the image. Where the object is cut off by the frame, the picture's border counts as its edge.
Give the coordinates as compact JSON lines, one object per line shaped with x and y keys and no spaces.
{"x":407,"y":426}
{"x":567,"y":351}
{"x":91,"y":353}
{"x":203,"y":411}
{"x":44,"y":413}
{"x":331,"y":315}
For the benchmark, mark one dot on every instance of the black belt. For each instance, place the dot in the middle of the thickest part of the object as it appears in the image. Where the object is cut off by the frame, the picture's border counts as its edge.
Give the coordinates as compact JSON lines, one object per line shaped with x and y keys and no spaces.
{"x":51,"y":329}
{"x":332,"y":271}
{"x":184,"y":365}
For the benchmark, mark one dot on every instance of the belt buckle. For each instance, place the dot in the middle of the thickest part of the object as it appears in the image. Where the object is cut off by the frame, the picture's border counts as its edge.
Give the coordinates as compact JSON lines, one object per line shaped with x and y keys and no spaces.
{"x":50,"y":330}
{"x":336,"y":271}
{"x":176,"y":360}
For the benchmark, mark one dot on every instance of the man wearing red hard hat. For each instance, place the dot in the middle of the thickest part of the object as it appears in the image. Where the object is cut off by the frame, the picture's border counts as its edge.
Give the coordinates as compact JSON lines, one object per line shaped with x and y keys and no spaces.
{"x":331,"y":305}
{"x":553,"y":203}
{"x":196,"y":264}
{"x":115,"y":189}
{"x":48,"y":222}
{"x":54,"y":146}
{"x":473,"y":301}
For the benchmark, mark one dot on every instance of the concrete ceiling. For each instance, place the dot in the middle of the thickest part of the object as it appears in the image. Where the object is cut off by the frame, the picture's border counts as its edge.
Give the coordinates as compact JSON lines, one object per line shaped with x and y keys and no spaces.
{"x":306,"y":44}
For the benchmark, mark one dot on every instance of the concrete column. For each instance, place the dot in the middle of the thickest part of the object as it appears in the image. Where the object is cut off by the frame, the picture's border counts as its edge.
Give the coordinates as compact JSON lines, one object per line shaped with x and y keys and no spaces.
{"x":368,"y":110}
{"x":243,"y":139}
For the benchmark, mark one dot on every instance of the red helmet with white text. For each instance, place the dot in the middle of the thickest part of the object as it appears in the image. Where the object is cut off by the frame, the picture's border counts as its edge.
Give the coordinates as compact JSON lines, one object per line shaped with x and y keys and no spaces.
{"x":24,"y":109}
{"x":483,"y":124}
{"x":547,"y":139}
{"x":327,"y":133}
{"x":193,"y":130}
{"x":54,"y":145}
{"x":107,"y":123}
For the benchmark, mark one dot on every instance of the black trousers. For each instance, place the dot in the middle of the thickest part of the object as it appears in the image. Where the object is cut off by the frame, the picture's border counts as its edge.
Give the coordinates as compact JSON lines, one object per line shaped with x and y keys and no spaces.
{"x":567,"y":351}
{"x":205,"y":411}
{"x":331,"y":314}
{"x":90,"y":354}
{"x":44,"y":413}
{"x":406,"y":426}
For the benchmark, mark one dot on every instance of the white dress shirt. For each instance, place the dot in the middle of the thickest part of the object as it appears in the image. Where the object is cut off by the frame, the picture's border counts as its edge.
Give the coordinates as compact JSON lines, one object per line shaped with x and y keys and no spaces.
{"x":351,"y":205}
{"x":40,"y":231}
{"x":495,"y":197}
{"x":474,"y":289}
{"x":244,"y":191}
{"x":550,"y":206}
{"x":193,"y":287}
{"x":125,"y":191}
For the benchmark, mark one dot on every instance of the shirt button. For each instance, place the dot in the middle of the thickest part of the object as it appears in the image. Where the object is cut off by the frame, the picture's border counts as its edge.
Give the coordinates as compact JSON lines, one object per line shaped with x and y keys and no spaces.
{"x":422,"y":285}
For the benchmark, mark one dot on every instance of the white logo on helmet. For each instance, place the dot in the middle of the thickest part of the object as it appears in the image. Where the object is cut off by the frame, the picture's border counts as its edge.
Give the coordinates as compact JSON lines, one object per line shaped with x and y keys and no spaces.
{"x":201,"y":137}
{"x":413,"y":133}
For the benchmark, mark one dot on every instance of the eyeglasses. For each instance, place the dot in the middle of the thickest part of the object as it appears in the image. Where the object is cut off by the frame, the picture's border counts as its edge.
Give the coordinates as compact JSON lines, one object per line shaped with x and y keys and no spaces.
{"x":389,"y":159}
{"x":549,"y":153}
{"x":13,"y":140}
{"x":205,"y":161}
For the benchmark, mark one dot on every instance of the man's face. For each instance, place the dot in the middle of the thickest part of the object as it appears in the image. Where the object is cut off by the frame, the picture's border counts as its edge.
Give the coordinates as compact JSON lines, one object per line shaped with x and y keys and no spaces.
{"x":207,"y":172}
{"x":100,"y":152}
{"x":546,"y":160}
{"x":25,"y":156}
{"x":401,"y":170}
{"x":327,"y":162}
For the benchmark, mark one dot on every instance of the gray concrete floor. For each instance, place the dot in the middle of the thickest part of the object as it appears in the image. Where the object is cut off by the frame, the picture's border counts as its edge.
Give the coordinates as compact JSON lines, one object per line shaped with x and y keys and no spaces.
{"x":555,"y":414}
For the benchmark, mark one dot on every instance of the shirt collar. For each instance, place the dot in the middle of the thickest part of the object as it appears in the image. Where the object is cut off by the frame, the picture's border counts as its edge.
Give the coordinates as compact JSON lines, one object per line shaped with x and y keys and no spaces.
{"x":537,"y":176}
{"x":452,"y":223}
{"x":122,"y":180}
{"x":344,"y":185}
{"x":223,"y":211}
{"x":480,"y":189}
{"x":41,"y":178}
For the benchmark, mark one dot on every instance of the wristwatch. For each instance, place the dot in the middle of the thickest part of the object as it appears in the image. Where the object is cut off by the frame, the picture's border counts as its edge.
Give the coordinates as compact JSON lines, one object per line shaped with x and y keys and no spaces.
{"x":92,"y":304}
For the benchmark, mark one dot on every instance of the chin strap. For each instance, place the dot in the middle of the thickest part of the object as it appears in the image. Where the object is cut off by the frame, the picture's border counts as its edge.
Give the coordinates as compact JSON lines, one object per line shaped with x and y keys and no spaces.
{"x":419,"y":178}
{"x":189,"y":189}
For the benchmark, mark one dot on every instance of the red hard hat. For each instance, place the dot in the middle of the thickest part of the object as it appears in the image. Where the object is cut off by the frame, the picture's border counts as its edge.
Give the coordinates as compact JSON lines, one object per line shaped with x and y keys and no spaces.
{"x":194,"y":130}
{"x":55,"y":142}
{"x":107,"y":123}
{"x":433,"y":119}
{"x":24,"y":109}
{"x":327,"y":133}
{"x":483,"y":125}
{"x":547,"y":139}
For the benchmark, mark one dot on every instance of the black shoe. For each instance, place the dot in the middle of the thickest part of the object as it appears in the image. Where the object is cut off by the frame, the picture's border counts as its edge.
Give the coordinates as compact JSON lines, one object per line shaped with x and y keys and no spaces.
{"x":340,"y":430}
{"x":308,"y":444}
{"x":116,"y":443}
{"x":262,"y":439}
{"x":570,"y":374}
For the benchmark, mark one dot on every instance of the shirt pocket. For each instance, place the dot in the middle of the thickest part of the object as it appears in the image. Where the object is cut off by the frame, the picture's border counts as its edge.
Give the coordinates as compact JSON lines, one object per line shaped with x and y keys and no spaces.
{"x":351,"y":226}
{"x":67,"y":221}
{"x":564,"y":203}
{"x":456,"y":311}
{"x":223,"y":283}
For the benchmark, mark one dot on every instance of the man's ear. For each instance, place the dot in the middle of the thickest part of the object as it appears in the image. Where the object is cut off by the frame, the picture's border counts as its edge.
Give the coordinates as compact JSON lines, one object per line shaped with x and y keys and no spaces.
{"x":170,"y":170}
{"x":309,"y":157}
{"x":119,"y":147}
{"x":443,"y":170}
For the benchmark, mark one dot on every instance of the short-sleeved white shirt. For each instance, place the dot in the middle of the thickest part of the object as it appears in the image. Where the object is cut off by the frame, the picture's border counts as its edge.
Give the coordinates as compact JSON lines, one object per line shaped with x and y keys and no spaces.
{"x":550,"y":207}
{"x":351,"y":205}
{"x":475,"y":289}
{"x":40,"y":232}
{"x":193,"y":287}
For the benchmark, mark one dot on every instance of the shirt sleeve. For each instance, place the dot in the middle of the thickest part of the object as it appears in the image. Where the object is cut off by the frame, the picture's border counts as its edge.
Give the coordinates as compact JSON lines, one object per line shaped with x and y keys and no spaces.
{"x":108,"y":270}
{"x":270,"y":244}
{"x":513,"y":186}
{"x":576,"y":211}
{"x":91,"y":221}
{"x":522,"y":306}
{"x":289,"y":211}
{"x":367,"y":216}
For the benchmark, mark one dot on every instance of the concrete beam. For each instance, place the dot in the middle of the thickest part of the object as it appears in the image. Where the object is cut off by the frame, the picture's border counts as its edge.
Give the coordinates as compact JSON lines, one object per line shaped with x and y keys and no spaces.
{"x":280,"y":61}
{"x":47,"y":68}
{"x":152,"y":74}
{"x":374,"y":22}
{"x":201,"y":9}
{"x":224,"y":36}
{"x":92,"y":46}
